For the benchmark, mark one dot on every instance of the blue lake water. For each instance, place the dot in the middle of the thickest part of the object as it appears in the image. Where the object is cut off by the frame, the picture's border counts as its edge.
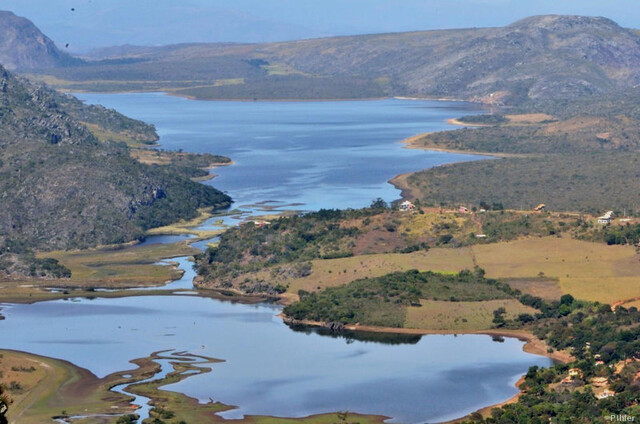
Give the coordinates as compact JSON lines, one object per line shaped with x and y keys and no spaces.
{"x":269,"y":368}
{"x":322,"y":154}
{"x":304,"y":156}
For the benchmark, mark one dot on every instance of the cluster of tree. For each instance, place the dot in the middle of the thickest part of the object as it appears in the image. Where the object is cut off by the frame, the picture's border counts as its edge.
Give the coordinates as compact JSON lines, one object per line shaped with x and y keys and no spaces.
{"x":484,"y":119}
{"x":383,"y":300}
{"x":248,"y":248}
{"x":500,"y":227}
{"x":22,"y":263}
{"x":620,"y":234}
{"x":590,"y":331}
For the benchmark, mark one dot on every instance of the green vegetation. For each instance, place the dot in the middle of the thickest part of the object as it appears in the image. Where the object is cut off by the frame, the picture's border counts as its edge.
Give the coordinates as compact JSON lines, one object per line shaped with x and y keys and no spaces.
{"x":591,"y":183}
{"x":383,"y":301}
{"x":291,"y":87}
{"x":484,"y":119}
{"x":27,"y":265}
{"x":250,"y":247}
{"x":605,"y":345}
{"x":102,"y":195}
{"x":509,"y":226}
{"x":620,"y":234}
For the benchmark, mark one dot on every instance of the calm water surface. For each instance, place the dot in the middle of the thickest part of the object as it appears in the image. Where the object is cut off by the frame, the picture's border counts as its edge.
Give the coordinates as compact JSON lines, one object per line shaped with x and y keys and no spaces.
{"x":322,"y":154}
{"x":269,"y":368}
{"x":304,"y":156}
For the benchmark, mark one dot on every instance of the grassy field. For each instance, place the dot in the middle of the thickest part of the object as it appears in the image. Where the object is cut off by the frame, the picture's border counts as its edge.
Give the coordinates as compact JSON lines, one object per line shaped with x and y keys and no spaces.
{"x":121,"y":266}
{"x":543,"y":266}
{"x":460,"y":316}
{"x":54,"y":386}
{"x":588,"y":271}
{"x":187,"y":227}
{"x":336,"y":272}
{"x":545,"y":288}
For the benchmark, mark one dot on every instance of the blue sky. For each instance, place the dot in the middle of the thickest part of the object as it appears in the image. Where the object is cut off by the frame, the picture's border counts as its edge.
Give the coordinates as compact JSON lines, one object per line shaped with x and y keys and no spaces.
{"x":152,"y":22}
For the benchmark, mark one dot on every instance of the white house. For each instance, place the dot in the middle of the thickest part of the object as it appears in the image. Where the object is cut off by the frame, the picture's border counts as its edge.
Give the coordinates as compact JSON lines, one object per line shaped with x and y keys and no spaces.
{"x":407,"y":206}
{"x":606,"y":218}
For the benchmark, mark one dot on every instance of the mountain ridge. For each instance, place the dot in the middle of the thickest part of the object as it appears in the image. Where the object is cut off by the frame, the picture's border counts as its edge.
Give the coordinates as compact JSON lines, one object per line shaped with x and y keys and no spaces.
{"x":62,"y":188}
{"x":23,"y":46}
{"x":546,"y":57}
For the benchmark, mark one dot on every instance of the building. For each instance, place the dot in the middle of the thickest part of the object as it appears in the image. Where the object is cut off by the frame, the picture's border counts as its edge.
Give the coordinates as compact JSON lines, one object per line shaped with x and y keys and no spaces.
{"x":407,"y":206}
{"x":607,"y":393}
{"x":606,"y":218}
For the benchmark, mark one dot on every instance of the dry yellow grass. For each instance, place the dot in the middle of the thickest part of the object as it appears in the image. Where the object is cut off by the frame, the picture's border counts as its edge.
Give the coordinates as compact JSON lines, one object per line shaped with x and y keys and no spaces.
{"x":590,"y":271}
{"x":331,"y":273}
{"x":460,"y":316}
{"x":529,"y":118}
{"x":22,"y":369}
{"x":540,"y":287}
{"x":188,"y":226}
{"x":229,"y":81}
{"x":576,"y":124}
{"x":150,"y":157}
{"x":121,"y":267}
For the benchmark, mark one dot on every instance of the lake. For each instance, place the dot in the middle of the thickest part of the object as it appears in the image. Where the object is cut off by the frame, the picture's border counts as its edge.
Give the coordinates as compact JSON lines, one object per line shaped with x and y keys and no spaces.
{"x":301,"y":156}
{"x":269,"y":368}
{"x":322,"y":154}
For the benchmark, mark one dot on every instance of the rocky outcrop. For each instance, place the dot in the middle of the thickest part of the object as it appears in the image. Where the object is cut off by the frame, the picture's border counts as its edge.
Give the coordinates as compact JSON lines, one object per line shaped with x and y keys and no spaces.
{"x":23,"y":46}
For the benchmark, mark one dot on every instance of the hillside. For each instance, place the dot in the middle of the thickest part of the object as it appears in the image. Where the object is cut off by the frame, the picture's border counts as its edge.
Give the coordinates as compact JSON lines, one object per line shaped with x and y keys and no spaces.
{"x":538,"y":58}
{"x":24,"y":47}
{"x":62,"y":188}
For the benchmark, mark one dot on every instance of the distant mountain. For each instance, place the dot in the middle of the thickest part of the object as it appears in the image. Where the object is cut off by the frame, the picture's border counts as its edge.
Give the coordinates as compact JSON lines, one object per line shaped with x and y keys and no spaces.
{"x":538,"y":57}
{"x":24,"y":47}
{"x":542,"y":57}
{"x":61,"y":188}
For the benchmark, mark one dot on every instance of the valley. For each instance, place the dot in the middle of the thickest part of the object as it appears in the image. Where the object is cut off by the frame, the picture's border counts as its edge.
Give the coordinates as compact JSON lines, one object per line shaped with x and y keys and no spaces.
{"x":487,"y":258}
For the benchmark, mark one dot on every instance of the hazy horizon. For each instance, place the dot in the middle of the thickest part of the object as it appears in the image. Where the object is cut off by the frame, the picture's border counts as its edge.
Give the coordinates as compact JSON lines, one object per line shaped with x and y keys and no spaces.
{"x":86,"y":24}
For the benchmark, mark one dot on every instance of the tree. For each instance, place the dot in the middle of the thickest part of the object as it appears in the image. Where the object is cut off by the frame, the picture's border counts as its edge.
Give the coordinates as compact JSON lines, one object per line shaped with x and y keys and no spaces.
{"x":566,"y":299}
{"x":379,"y":203}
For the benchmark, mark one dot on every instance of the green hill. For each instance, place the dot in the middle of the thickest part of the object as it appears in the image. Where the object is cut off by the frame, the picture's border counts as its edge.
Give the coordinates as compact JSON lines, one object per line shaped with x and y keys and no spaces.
{"x":61,"y":188}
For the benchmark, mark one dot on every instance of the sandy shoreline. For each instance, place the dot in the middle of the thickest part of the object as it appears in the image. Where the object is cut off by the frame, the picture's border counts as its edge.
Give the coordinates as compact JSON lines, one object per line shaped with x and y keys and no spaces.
{"x":412,"y":143}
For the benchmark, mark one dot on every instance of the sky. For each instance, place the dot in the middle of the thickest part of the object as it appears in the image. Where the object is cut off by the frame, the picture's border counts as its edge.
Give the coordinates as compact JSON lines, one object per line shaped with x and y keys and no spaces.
{"x":100,"y":23}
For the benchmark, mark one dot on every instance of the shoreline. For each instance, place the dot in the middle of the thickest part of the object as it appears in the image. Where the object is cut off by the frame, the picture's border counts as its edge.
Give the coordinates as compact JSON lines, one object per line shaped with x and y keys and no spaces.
{"x":486,"y":411}
{"x":292,"y":100}
{"x":532,"y":345}
{"x":411,"y":143}
{"x":400,"y":181}
{"x":456,"y":121}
